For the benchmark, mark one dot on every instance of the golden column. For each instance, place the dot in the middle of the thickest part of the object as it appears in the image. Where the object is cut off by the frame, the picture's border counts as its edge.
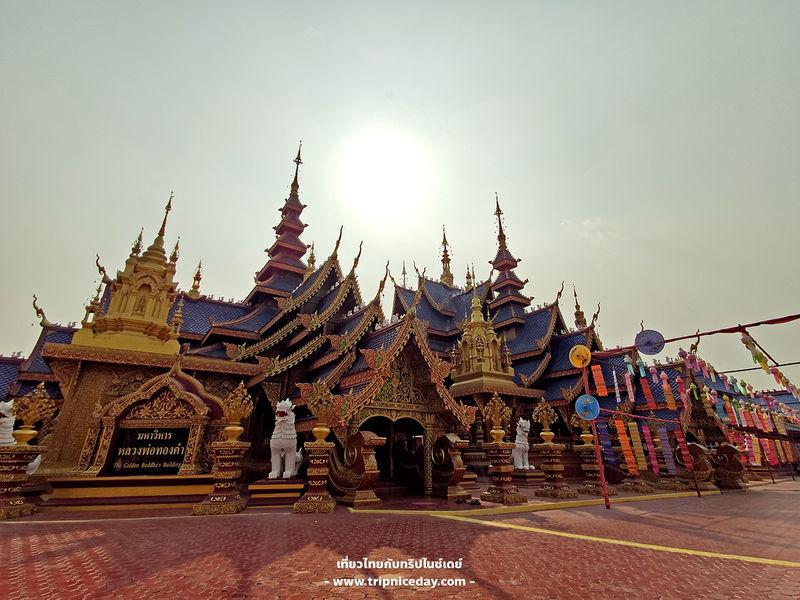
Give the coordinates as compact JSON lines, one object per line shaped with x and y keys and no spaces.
{"x":327,"y":408}
{"x":501,"y":489}
{"x":225,"y":498}
{"x":553,"y":486}
{"x":14,"y":460}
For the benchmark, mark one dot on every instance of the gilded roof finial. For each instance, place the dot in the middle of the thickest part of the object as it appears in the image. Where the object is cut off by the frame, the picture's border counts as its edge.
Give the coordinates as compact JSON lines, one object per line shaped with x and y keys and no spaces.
{"x":358,"y":256}
{"x":167,"y":209}
{"x":173,"y":258}
{"x":558,"y":296}
{"x":404,"y":273}
{"x":297,"y":162}
{"x":595,"y":315}
{"x":198,"y":276}
{"x":469,"y":278}
{"x":580,"y":318}
{"x":101,"y":269}
{"x":136,"y":249}
{"x":382,"y":283}
{"x":338,"y":240}
{"x":40,"y":313}
{"x":501,"y":236}
{"x":447,"y":275}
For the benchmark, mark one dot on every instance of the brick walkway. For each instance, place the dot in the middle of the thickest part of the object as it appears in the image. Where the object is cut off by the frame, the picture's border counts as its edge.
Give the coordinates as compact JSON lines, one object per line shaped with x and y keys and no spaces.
{"x":277,"y":555}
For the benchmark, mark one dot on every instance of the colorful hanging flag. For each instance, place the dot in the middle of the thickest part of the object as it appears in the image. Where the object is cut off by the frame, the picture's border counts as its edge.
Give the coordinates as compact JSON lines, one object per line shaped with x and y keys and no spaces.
{"x":756,"y":450}
{"x":666,"y":450}
{"x":629,"y":388}
{"x":625,"y":444}
{"x":666,"y":388}
{"x":779,"y":450}
{"x":648,"y":394}
{"x":704,"y":398}
{"x":748,"y":444}
{"x":787,"y":448}
{"x":640,"y":364}
{"x":605,"y":442}
{"x":748,"y":417}
{"x":725,"y":382}
{"x":768,"y":451}
{"x":687,"y":457}
{"x":726,"y":401}
{"x":599,"y":381}
{"x":651,"y":449}
{"x":636,"y":444}
{"x":616,"y":387}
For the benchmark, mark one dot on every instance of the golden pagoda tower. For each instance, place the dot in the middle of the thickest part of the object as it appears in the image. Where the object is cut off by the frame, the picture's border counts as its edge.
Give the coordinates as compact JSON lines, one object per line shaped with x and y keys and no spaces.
{"x":481,"y":359}
{"x":141,"y":298}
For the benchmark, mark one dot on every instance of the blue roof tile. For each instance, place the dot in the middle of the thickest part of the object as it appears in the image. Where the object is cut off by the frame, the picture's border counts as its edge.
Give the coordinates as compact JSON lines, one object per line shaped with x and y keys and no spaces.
{"x":9,"y":369}
{"x":259,"y":317}
{"x":554,"y":388}
{"x":536,"y":326}
{"x":560,"y":346}
{"x":37,"y":364}
{"x":527,"y":367}
{"x":196,"y":313}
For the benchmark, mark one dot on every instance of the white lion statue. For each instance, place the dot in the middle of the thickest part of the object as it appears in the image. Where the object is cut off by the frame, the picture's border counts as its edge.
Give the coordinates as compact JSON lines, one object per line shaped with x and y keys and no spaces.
{"x":7,"y":423}
{"x":283,"y":443}
{"x":520,"y":452}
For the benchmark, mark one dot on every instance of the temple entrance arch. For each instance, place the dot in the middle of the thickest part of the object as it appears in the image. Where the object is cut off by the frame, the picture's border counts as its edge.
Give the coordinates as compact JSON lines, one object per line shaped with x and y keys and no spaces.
{"x":401,"y":458}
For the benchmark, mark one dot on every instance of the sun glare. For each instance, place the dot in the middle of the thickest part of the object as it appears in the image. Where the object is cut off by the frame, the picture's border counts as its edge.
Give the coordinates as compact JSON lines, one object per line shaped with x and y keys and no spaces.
{"x":385,"y":174}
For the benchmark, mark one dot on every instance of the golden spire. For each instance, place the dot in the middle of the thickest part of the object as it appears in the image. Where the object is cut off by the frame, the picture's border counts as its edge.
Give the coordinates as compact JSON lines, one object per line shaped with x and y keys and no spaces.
{"x":141,"y":299}
{"x":404,"y":273}
{"x":177,"y":319}
{"x":580,"y":318}
{"x":167,"y":208}
{"x":155,"y":253}
{"x":501,"y":236}
{"x":137,"y":244}
{"x":173,"y":258}
{"x":477,"y":313}
{"x":447,"y":276}
{"x":198,"y":275}
{"x":312,"y":263}
{"x":297,"y":162}
{"x":469,"y":278}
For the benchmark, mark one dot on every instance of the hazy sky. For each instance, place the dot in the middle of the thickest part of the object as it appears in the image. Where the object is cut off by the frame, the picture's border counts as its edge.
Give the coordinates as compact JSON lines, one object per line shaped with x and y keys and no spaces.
{"x":647,"y":151}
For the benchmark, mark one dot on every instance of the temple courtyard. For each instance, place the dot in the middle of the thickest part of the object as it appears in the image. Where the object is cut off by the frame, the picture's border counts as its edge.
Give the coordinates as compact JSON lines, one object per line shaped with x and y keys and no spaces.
{"x":729,"y":545}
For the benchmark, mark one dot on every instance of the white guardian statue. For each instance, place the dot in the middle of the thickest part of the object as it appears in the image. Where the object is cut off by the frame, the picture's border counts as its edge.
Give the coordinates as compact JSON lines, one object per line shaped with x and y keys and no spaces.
{"x":7,"y":423}
{"x":520,"y":452}
{"x":286,"y":458}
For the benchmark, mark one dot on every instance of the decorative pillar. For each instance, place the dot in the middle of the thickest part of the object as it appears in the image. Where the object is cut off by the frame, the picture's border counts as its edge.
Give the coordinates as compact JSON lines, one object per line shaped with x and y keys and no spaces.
{"x":553,"y":486}
{"x":427,"y":459}
{"x":588,"y":455}
{"x":14,"y":460}
{"x":317,"y":499}
{"x":501,"y":489}
{"x":225,"y":498}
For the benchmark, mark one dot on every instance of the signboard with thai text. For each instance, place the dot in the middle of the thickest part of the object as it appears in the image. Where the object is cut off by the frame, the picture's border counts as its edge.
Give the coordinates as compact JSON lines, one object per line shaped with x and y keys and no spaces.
{"x":149,"y":451}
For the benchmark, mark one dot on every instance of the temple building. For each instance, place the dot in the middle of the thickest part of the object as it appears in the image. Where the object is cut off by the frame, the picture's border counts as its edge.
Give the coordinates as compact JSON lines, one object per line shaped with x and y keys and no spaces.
{"x":142,"y":387}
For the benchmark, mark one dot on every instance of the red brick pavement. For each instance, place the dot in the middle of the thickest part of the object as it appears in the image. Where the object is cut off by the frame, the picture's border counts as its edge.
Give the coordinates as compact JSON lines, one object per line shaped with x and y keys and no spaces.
{"x":759,"y":522}
{"x":278,"y":555}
